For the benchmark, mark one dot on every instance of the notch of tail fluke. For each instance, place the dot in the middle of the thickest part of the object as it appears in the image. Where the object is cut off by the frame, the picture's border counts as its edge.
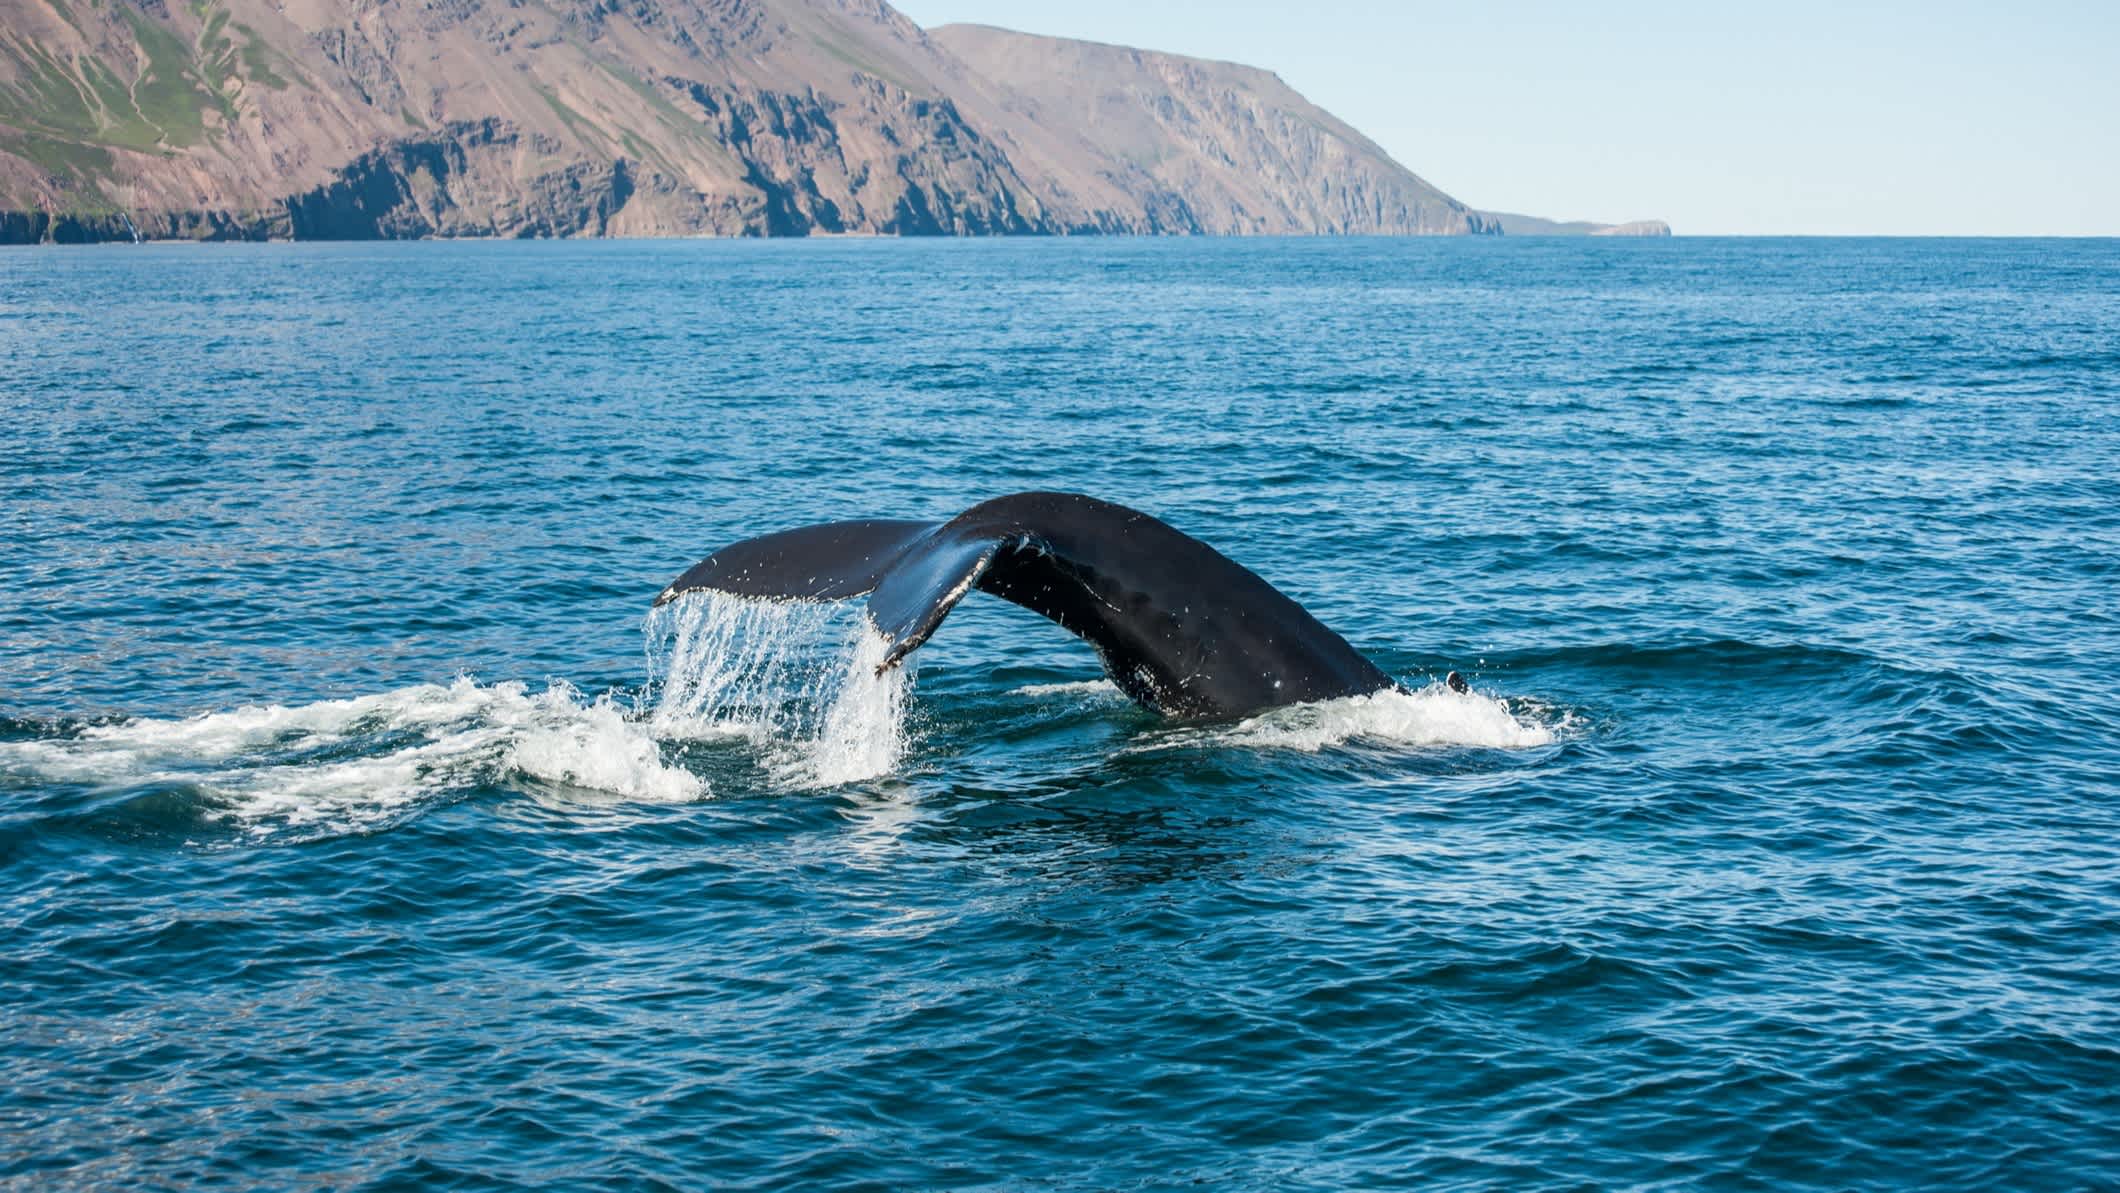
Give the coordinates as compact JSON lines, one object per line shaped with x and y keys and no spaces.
{"x":919,"y":590}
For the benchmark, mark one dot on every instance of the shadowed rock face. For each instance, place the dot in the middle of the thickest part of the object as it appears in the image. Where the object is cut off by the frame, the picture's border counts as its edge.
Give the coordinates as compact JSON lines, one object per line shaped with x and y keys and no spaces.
{"x":366,"y":119}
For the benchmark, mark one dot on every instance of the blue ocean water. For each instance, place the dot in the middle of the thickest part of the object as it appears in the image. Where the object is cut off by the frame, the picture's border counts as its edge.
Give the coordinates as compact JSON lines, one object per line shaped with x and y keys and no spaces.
{"x":358,"y":829}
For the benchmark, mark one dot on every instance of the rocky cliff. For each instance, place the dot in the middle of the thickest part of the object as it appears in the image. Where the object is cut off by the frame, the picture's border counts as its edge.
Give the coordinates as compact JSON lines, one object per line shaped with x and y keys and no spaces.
{"x":351,"y":119}
{"x":1202,"y":146}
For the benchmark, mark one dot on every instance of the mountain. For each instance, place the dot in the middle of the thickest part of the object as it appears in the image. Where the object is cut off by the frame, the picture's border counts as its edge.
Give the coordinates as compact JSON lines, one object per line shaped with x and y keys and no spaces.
{"x":368,"y":118}
{"x":338,"y":119}
{"x":1203,"y":146}
{"x":1531,"y":225}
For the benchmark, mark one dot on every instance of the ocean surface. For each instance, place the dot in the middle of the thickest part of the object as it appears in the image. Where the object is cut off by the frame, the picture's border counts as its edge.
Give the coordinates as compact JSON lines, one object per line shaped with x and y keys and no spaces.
{"x":360,"y":829}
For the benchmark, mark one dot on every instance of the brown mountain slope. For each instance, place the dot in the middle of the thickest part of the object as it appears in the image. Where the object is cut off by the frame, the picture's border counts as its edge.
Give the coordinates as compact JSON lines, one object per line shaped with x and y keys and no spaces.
{"x":368,"y":118}
{"x":478,"y":117}
{"x":1207,"y":146}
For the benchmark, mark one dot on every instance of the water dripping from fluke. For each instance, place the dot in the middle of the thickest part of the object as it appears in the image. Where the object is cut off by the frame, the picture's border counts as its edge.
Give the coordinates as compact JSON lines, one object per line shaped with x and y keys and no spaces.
{"x":799,"y":681}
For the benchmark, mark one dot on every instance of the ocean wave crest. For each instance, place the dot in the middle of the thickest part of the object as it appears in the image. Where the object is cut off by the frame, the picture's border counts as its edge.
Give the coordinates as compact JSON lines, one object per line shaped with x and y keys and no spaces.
{"x":357,"y":763}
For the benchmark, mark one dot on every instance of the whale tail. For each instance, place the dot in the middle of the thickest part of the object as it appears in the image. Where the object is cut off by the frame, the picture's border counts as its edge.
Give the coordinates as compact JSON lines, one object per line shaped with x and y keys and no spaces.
{"x":1178,"y":626}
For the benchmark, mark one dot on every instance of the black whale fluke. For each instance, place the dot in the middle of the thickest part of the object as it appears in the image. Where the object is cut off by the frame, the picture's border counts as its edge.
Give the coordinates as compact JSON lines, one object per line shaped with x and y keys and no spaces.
{"x":1180,"y":627}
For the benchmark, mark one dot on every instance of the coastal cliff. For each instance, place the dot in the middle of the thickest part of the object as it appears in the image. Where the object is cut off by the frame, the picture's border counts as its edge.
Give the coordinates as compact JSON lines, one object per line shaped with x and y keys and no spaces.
{"x":368,"y":119}
{"x":1206,"y":146}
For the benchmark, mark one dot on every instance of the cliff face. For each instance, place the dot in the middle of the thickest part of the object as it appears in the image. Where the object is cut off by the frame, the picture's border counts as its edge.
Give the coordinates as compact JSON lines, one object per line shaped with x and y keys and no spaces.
{"x":1201,"y":146}
{"x":400,"y":118}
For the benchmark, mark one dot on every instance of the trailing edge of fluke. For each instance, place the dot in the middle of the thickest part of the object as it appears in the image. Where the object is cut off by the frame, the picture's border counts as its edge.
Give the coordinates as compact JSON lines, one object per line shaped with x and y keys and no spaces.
{"x":1179,"y":626}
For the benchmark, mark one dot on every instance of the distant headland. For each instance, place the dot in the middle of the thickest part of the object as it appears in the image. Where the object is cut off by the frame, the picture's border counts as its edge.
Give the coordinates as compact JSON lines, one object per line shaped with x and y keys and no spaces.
{"x":252,"y":120}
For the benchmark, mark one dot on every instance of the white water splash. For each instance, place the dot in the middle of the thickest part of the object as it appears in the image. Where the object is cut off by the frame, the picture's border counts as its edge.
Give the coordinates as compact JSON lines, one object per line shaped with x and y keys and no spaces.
{"x":1080,"y":687}
{"x":864,"y":733}
{"x":1433,"y":716}
{"x":355,"y":763}
{"x":798,"y":680}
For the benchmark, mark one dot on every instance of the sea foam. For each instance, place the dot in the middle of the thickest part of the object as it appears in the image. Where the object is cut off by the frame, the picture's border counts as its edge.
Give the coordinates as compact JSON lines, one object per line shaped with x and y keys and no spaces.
{"x":357,"y":762}
{"x":1431,"y":717}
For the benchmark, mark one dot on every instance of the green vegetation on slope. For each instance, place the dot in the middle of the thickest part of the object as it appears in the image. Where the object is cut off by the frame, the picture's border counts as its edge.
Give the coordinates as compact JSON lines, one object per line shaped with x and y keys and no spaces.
{"x":62,"y":159}
{"x":69,"y":110}
{"x":88,"y":102}
{"x":171,"y":94}
{"x":583,"y":131}
{"x":257,"y":60}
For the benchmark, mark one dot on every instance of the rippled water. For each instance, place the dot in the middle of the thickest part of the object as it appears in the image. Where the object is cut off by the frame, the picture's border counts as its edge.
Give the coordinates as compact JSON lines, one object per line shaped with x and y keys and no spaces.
{"x":358,"y":828}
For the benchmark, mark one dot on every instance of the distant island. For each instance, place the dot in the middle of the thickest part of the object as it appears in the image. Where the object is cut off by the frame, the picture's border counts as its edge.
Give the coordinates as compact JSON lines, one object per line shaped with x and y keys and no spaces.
{"x":1531,"y":225}
{"x":253,"y":119}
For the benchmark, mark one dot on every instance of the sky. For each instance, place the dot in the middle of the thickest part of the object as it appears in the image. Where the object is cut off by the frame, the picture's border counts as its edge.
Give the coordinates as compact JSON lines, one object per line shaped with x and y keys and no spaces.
{"x":1795,"y":118}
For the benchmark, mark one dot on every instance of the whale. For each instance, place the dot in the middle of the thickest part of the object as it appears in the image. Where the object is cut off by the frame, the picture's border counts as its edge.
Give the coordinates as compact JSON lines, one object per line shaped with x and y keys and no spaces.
{"x":1179,"y":627}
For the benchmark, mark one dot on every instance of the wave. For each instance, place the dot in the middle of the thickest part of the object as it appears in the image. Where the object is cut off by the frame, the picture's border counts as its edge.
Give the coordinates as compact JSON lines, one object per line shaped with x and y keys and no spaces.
{"x":1876,"y":683}
{"x":361,"y":762}
{"x":1720,"y":656}
{"x":1430,"y":717}
{"x":787,"y":679}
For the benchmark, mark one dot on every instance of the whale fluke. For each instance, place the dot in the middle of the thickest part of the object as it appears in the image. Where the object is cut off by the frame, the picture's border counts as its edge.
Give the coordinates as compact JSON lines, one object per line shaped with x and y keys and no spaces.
{"x":833,"y":562}
{"x":1179,"y":626}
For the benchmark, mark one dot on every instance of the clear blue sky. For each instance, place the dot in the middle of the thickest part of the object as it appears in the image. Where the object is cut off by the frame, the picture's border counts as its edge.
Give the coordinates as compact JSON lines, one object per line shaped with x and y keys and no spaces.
{"x":1799,"y":117}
